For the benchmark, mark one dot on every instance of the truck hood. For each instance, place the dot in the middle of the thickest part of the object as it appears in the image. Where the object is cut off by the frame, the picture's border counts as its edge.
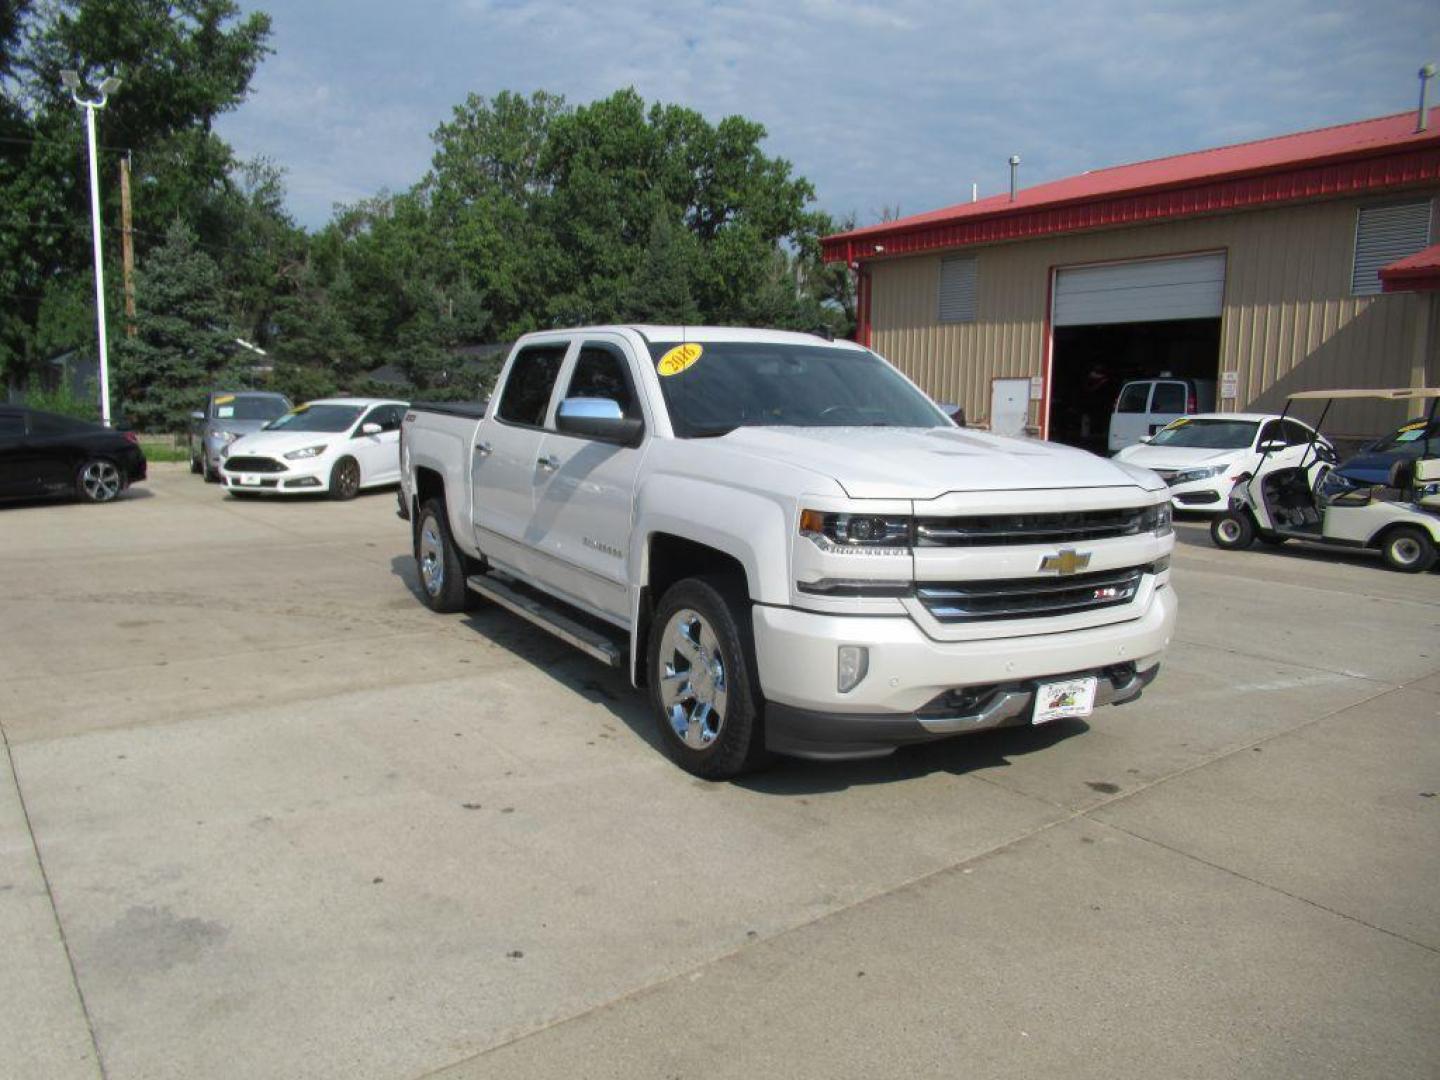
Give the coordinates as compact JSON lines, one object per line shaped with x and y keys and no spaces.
{"x":926,"y":463}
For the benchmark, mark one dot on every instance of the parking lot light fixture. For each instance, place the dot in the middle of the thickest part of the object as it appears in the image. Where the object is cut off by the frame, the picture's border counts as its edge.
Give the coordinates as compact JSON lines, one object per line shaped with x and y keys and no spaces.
{"x":71,"y":80}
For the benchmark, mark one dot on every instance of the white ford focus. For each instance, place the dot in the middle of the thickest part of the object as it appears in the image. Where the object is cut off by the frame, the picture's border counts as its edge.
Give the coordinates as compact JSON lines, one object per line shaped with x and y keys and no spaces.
{"x":1200,"y":456}
{"x":338,"y":445}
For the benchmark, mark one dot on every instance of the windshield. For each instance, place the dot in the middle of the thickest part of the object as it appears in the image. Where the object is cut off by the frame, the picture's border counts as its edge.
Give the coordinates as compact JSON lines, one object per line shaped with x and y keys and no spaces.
{"x":248,"y":407}
{"x":1409,"y":438}
{"x":330,"y":418}
{"x":712,"y":388}
{"x":1207,"y":434}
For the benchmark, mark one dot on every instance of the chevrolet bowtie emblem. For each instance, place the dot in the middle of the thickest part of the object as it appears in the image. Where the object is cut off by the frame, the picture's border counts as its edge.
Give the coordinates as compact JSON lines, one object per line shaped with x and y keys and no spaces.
{"x":1066,"y":561}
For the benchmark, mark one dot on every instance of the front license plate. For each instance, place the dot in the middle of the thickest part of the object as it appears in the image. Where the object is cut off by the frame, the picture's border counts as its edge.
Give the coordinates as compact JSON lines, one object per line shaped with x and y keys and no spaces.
{"x":249,"y":481}
{"x":1059,"y":700}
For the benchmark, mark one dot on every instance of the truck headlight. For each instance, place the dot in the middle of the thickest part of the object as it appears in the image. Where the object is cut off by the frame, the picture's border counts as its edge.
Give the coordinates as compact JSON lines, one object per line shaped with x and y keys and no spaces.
{"x":1157,"y":519}
{"x":875,"y":534}
{"x":308,"y":452}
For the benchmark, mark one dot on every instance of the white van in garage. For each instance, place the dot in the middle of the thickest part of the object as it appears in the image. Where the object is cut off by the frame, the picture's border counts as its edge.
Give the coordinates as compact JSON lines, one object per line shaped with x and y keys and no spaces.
{"x":1147,"y":405}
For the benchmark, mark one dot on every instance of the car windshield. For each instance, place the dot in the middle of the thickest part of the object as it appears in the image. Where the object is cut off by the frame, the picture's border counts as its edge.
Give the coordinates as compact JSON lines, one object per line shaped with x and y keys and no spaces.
{"x":1207,"y":434}
{"x":321,"y":417}
{"x":711,"y":388}
{"x":248,"y":407}
{"x":1409,"y":437}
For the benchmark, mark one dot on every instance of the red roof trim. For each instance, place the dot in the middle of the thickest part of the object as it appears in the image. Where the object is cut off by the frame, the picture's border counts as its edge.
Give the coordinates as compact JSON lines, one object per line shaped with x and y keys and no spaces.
{"x":1370,"y":155}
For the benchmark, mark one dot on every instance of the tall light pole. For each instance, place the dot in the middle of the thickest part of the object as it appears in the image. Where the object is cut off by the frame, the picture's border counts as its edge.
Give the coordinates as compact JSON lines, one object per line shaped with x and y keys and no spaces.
{"x":108,"y":87}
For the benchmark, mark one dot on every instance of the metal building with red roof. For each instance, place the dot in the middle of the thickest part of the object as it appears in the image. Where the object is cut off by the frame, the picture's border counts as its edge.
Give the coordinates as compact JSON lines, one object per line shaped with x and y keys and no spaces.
{"x":1292,"y":262}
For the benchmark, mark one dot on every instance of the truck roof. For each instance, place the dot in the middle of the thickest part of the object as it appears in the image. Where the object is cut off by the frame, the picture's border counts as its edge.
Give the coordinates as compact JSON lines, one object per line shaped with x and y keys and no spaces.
{"x":660,"y":332}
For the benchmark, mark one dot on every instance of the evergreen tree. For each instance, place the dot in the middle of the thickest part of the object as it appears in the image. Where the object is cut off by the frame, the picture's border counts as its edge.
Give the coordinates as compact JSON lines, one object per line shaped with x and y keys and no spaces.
{"x":182,"y":347}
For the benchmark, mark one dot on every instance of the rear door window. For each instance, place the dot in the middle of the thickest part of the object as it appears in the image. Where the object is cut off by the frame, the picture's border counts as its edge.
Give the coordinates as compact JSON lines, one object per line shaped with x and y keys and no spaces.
{"x":1133,"y":398}
{"x":1169,"y":397}
{"x":526,"y":398}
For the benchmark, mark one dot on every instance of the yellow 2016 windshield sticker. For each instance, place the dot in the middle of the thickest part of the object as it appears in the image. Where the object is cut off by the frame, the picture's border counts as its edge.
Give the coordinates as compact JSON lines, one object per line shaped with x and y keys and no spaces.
{"x":679,"y":358}
{"x":1415,"y":426}
{"x":1177,"y":423}
{"x":224,"y":399}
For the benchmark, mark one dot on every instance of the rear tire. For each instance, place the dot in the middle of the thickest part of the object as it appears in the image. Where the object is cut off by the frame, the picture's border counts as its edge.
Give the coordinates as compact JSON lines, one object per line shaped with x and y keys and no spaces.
{"x":438,"y":563}
{"x":1232,"y":531}
{"x":99,"y":481}
{"x":703,"y":685}
{"x":345,"y":479}
{"x":1409,"y":549}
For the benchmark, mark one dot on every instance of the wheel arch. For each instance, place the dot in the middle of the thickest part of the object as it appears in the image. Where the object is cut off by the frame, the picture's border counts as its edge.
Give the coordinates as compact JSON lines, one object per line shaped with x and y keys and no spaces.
{"x":669,"y":557}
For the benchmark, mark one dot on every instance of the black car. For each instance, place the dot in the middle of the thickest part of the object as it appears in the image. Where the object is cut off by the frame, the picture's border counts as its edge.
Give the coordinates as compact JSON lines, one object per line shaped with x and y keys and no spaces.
{"x":45,"y":454}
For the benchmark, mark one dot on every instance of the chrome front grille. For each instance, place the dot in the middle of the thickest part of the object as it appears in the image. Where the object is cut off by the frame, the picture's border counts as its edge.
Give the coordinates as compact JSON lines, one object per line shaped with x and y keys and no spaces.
{"x":1069,"y":527}
{"x":1026,"y":598}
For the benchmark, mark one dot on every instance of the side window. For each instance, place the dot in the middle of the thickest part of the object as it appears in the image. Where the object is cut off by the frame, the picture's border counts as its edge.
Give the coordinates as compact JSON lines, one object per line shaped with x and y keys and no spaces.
{"x":1270,"y":432}
{"x":1296,"y":434}
{"x":1169,"y":398}
{"x":600,"y":372}
{"x":526,"y":398}
{"x":387,"y":416}
{"x":1133,"y":397}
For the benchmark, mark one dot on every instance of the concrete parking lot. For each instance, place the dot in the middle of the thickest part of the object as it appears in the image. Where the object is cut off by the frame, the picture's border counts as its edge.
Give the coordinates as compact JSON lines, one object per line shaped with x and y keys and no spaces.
{"x":264,"y":815}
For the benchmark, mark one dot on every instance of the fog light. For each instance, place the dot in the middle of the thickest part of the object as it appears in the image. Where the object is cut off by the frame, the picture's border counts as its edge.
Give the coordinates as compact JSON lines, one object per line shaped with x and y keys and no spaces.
{"x":854,"y":663}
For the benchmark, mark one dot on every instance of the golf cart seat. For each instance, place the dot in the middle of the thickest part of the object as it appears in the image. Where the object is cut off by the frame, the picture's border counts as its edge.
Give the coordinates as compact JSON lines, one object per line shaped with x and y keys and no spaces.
{"x":1425,"y":479}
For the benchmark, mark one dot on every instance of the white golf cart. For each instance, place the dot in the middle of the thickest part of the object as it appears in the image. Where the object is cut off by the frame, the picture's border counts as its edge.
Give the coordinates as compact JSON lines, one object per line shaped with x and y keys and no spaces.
{"x":1310,"y":501}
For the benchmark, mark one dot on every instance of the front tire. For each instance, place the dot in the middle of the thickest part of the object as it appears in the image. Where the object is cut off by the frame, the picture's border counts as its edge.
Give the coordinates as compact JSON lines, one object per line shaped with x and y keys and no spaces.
{"x":438,"y":563}
{"x":1232,"y":531}
{"x":701,"y":666}
{"x":345,"y":479}
{"x":1409,"y":549}
{"x":99,"y":481}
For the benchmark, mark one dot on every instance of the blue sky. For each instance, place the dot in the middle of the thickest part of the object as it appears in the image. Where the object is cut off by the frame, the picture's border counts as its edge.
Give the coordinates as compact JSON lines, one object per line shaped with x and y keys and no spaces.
{"x":878,"y":104}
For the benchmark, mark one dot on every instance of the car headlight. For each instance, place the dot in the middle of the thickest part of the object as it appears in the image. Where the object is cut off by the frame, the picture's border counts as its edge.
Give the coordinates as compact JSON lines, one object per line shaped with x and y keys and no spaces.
{"x":872,"y":534}
{"x":1187,"y":476}
{"x":308,"y":452}
{"x":224,"y":438}
{"x":1157,"y":519}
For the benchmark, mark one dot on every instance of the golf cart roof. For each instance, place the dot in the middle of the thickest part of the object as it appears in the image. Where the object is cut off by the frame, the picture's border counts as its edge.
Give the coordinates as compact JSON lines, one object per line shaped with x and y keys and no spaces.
{"x":1397,"y":394}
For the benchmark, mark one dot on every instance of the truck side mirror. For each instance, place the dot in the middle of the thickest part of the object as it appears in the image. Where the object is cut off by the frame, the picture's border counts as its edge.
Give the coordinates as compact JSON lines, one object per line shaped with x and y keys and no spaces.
{"x":598,"y":418}
{"x":197,"y":416}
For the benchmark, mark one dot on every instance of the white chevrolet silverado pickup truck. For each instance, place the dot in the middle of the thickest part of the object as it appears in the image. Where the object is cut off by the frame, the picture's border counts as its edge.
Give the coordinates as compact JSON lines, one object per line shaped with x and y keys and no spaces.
{"x":787,"y":544}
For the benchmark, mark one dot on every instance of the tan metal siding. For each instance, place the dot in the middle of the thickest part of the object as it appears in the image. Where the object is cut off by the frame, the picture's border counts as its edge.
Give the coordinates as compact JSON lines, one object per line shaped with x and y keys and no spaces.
{"x":1288,"y":322}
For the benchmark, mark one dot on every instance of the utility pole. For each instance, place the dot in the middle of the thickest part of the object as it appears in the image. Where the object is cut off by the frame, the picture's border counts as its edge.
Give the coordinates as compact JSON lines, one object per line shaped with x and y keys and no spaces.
{"x":127,"y":246}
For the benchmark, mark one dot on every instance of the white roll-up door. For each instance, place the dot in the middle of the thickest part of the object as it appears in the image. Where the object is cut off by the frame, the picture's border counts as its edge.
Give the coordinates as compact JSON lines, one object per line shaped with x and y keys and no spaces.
{"x":1150,"y":290}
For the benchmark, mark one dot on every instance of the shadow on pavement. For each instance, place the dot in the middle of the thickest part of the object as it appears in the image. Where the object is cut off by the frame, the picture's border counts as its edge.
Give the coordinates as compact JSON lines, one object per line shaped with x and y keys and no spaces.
{"x":610,"y":688}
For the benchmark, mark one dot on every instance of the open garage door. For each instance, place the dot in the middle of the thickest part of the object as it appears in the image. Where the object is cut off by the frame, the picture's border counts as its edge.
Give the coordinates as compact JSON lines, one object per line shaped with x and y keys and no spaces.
{"x":1129,"y":320}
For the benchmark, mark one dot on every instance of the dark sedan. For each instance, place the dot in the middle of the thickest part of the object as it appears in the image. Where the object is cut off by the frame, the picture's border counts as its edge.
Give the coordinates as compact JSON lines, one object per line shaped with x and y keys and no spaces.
{"x":1415,"y":439}
{"x":44,"y":454}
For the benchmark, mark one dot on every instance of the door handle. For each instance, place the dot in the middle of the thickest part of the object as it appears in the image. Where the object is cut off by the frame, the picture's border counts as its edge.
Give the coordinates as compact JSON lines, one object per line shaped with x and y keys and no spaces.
{"x":482,"y":449}
{"x":549,"y":464}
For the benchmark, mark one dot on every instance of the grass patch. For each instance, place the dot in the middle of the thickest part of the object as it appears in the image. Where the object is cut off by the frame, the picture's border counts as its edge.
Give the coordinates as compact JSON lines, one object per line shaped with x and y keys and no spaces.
{"x":162,"y":452}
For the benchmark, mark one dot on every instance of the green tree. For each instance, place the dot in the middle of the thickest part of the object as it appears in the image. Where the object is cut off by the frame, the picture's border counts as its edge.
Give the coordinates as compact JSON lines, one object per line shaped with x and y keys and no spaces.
{"x":182,"y":346}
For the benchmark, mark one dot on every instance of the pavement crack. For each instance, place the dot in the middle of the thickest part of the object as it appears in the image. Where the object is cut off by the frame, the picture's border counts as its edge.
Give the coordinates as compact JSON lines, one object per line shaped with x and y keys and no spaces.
{"x":54,"y":910}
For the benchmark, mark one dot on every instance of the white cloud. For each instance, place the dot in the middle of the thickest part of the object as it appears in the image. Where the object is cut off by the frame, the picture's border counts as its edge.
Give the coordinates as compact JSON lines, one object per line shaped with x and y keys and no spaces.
{"x":876,"y":103}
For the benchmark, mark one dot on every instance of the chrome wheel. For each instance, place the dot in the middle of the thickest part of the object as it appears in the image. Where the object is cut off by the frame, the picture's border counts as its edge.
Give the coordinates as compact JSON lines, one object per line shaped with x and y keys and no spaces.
{"x":1228,"y":530}
{"x":432,"y":557}
{"x":100,"y":481}
{"x":693,"y":686}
